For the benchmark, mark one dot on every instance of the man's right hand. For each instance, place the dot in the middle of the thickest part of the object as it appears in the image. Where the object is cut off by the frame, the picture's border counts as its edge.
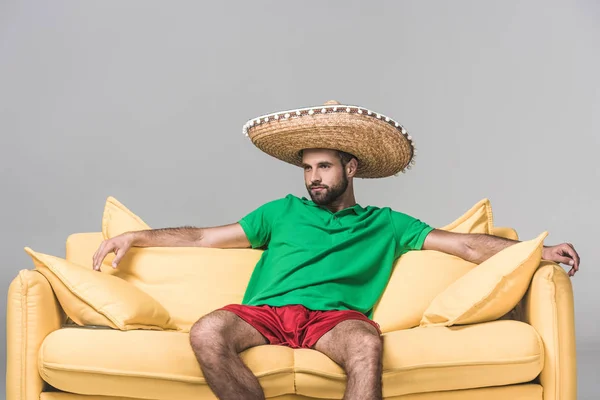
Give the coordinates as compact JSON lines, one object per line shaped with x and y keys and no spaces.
{"x":118,"y":245}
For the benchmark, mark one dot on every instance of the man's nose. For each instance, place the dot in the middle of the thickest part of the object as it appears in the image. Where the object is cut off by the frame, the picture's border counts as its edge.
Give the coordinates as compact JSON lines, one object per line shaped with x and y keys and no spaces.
{"x":315,"y":177}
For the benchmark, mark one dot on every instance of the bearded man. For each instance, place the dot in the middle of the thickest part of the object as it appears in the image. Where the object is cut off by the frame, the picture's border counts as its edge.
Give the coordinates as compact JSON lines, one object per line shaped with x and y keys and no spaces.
{"x":326,"y":260}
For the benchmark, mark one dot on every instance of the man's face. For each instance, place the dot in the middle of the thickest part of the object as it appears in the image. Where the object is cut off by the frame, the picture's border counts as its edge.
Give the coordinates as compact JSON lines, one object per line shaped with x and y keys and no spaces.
{"x":324,"y":176}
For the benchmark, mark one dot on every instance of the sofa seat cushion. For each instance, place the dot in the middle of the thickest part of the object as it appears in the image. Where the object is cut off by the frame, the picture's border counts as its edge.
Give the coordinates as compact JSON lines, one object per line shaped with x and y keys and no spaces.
{"x":515,"y":392}
{"x":161,"y":365}
{"x":146,"y":364}
{"x":436,"y":359}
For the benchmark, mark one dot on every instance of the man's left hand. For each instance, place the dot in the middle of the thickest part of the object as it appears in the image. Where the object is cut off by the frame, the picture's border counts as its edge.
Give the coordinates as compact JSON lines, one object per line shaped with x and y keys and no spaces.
{"x":562,"y":253}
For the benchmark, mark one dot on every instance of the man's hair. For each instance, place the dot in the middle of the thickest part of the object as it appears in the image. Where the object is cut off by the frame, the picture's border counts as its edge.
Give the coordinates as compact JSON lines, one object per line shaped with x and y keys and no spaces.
{"x":344,"y":157}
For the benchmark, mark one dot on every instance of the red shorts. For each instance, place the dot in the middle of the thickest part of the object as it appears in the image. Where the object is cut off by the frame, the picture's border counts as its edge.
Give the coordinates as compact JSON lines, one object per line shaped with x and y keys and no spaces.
{"x":295,"y":325}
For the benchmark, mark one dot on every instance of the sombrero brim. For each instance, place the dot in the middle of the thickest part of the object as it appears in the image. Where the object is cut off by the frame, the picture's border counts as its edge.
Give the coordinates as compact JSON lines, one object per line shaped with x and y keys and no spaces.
{"x":381,"y":145}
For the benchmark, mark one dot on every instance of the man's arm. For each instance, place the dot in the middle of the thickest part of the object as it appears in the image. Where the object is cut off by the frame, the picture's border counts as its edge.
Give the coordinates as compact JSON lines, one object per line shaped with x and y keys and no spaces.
{"x":226,"y":236}
{"x":477,"y":248}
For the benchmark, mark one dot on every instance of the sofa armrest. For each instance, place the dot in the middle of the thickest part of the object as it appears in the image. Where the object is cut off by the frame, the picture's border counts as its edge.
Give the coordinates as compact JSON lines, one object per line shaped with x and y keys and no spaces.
{"x":548,"y":306}
{"x":32,"y":313}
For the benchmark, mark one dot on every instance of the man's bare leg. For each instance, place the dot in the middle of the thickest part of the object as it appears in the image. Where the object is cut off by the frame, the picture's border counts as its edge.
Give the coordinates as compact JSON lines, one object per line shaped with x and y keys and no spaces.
{"x":357,"y":347}
{"x":216,"y":339}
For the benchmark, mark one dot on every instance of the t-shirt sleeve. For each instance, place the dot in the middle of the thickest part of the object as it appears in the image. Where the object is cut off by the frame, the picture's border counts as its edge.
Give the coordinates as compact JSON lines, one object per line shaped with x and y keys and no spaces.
{"x":410,"y":232}
{"x":258,"y":225}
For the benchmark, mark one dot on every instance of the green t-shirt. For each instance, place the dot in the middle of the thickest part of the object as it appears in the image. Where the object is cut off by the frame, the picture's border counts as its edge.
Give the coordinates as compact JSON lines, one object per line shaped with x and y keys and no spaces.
{"x":324,"y":260}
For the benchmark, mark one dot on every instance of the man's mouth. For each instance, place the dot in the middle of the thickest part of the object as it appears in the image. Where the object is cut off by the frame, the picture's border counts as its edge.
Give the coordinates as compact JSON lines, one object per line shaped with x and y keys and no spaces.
{"x":317,"y":188}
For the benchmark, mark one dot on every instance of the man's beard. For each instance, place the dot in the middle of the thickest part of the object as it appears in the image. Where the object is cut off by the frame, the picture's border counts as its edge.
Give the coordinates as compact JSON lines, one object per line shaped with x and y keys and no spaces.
{"x":330,"y":193}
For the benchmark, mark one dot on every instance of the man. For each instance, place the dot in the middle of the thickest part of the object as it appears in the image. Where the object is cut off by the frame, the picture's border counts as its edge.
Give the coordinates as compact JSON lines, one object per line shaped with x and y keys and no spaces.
{"x":326,"y":260}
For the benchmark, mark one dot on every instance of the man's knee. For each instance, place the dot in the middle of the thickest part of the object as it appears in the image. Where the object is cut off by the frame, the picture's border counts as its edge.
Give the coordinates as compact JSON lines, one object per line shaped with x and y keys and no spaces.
{"x":369,"y":344}
{"x":210,"y":331}
{"x":365,"y":350}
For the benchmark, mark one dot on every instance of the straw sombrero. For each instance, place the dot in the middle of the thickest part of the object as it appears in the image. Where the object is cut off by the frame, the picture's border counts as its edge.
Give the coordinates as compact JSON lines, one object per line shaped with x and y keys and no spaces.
{"x":381,"y":145}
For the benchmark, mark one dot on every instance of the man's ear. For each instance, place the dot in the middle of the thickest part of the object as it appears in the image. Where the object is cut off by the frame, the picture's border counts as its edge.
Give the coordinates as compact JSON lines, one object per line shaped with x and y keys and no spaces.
{"x":351,"y":167}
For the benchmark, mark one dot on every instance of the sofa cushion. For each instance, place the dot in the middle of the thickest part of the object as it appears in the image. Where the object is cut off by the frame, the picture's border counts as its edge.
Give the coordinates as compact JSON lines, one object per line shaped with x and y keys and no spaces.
{"x":95,"y":298}
{"x":436,"y":359}
{"x":161,"y":365}
{"x":146,"y":364}
{"x":490,"y":290}
{"x":505,"y":232}
{"x":419,"y":276}
{"x":80,"y":247}
{"x":529,"y":391}
{"x":478,"y":219}
{"x":189,"y":281}
{"x":118,"y":219}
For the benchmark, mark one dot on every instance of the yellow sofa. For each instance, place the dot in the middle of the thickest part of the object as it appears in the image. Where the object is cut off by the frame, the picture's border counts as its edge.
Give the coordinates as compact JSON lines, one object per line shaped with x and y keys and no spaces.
{"x":527,"y":354}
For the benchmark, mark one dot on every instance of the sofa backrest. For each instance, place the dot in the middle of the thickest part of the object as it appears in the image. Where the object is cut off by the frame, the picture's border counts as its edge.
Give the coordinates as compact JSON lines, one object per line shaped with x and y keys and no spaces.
{"x":191,"y":282}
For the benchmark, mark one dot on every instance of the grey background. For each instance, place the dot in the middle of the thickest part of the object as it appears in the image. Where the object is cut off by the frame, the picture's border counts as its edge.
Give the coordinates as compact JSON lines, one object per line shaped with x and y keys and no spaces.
{"x":145,"y":101}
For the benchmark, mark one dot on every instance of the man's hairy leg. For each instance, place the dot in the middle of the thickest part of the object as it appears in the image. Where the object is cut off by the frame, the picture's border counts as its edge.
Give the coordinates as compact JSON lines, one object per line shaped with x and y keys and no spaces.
{"x":216,"y":339}
{"x":357,"y":347}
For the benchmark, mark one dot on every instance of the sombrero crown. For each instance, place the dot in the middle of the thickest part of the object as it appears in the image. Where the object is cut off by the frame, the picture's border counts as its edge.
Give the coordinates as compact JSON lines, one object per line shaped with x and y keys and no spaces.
{"x":381,"y":145}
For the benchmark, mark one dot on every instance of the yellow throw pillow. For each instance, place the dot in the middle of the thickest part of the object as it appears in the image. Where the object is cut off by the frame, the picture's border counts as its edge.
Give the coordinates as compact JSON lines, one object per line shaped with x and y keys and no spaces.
{"x":490,"y":290}
{"x":479,"y":219}
{"x":95,"y":298}
{"x":417,"y":277}
{"x":118,"y":219}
